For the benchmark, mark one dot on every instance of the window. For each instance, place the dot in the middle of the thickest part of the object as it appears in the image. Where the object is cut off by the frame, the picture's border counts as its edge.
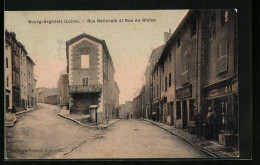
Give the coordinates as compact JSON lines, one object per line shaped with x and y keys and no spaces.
{"x":170,"y":82}
{"x":185,"y":71}
{"x":170,"y":109}
{"x":170,"y":57}
{"x":224,"y":17}
{"x":191,"y":110}
{"x":7,"y":81}
{"x":6,"y":62}
{"x":222,"y":57}
{"x":178,"y":109}
{"x":193,"y":25}
{"x":84,"y":61}
{"x":157,"y":72}
{"x":212,"y":25}
{"x":85,"y":81}
{"x":29,"y":74}
{"x":165,"y":83}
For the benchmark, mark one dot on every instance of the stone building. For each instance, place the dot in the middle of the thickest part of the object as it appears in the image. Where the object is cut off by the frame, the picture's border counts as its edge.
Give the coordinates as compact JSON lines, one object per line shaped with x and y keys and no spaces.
{"x":91,"y":76}
{"x":137,"y":107}
{"x":126,"y":110}
{"x":19,"y":65}
{"x":198,"y":69}
{"x":116,"y":100}
{"x":40,"y":94}
{"x":150,"y":75}
{"x":63,"y":89}
{"x":8,"y":75}
{"x":52,"y":99}
{"x":23,"y":77}
{"x":15,"y":68}
{"x":220,"y":78}
{"x":31,"y":83}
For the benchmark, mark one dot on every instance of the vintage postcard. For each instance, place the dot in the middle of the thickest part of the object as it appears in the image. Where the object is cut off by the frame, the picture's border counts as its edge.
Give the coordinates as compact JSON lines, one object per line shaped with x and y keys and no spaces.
{"x":121,"y":84}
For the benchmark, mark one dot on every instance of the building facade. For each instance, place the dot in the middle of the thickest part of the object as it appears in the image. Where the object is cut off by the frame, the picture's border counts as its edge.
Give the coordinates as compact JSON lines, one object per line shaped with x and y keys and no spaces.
{"x":137,"y":107}
{"x":91,"y":76}
{"x":220,"y":85}
{"x":8,"y":75}
{"x":23,"y":77}
{"x":16,"y":75}
{"x":15,"y":58}
{"x":63,"y":89}
{"x":31,"y":83}
{"x":197,"y":69}
{"x":126,"y":110}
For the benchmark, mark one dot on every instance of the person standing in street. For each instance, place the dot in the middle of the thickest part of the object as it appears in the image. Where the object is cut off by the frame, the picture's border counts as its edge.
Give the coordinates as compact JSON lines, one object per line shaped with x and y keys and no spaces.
{"x":211,"y":123}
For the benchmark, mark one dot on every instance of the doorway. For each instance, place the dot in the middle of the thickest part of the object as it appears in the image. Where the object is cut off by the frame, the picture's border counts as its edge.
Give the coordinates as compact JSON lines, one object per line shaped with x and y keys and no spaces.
{"x":184,"y":111}
{"x":7,"y":102}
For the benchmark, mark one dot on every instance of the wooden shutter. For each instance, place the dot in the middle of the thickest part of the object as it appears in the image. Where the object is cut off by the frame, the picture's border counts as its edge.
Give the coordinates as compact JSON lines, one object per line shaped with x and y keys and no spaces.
{"x":222,"y":57}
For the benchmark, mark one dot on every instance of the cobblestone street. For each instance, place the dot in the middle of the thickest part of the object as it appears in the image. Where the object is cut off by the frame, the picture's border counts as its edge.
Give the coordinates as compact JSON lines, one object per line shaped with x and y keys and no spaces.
{"x":136,"y":139}
{"x":43,"y":134}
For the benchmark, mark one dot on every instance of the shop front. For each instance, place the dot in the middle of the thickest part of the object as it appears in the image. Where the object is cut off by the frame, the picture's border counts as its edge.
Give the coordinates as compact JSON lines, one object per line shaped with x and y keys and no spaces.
{"x":223,"y":98}
{"x":184,"y":107}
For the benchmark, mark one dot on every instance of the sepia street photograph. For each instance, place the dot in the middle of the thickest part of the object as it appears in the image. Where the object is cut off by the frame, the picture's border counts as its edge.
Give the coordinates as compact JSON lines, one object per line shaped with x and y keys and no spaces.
{"x":121,"y":84}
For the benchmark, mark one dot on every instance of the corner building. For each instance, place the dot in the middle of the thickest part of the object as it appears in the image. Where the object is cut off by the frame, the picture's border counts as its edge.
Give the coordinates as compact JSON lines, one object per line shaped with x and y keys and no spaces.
{"x":90,"y":76}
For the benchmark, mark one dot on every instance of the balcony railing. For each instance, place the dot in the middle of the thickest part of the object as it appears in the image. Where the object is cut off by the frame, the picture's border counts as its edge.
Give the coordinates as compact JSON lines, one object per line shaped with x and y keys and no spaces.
{"x":91,"y":88}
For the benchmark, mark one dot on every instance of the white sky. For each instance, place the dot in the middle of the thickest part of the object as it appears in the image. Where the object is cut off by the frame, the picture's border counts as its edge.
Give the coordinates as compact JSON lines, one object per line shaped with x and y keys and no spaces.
{"x":129,"y":44}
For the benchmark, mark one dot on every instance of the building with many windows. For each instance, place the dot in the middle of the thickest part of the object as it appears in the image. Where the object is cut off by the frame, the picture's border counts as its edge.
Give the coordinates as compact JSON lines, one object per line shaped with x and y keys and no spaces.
{"x":198,"y":69}
{"x":31,"y":83}
{"x":19,"y":75}
{"x":23,"y":77}
{"x":8,"y":75}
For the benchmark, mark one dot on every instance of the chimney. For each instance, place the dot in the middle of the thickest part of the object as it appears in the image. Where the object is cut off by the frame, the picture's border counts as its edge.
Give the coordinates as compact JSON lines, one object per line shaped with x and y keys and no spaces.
{"x":167,"y":35}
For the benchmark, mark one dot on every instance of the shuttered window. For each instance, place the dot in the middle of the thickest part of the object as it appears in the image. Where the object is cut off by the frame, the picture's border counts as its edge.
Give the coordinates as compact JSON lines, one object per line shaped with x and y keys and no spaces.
{"x":85,"y":81}
{"x":222,"y":57}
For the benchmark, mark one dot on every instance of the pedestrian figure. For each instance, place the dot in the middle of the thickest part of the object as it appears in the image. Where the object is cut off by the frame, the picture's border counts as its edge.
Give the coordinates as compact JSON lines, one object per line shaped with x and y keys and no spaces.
{"x":211,"y":123}
{"x":197,"y":118}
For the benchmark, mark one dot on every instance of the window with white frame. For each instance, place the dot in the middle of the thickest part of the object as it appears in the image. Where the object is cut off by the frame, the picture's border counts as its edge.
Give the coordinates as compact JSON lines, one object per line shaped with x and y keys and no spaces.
{"x":85,"y":61}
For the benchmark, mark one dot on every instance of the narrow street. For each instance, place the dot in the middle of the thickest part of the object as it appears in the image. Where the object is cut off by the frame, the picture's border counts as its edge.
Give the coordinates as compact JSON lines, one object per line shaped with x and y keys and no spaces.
{"x":137,"y":139}
{"x":43,"y":134}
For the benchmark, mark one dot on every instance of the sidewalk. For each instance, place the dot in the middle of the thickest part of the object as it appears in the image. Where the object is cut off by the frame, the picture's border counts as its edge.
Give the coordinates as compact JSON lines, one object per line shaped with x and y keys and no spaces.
{"x":84,"y":120}
{"x":27,"y":110}
{"x":10,"y":118}
{"x":211,"y":147}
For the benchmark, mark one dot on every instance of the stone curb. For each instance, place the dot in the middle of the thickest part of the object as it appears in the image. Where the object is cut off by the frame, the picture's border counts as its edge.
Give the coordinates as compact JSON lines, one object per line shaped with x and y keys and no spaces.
{"x":186,"y":140}
{"x":18,"y":113}
{"x":12,"y":123}
{"x":87,"y":125}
